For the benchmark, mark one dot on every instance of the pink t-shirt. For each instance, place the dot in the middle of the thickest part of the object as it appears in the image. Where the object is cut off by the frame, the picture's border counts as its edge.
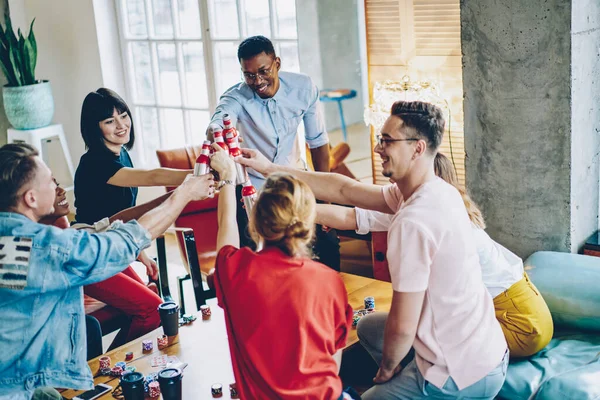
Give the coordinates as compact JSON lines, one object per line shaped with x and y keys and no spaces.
{"x":431,"y":248}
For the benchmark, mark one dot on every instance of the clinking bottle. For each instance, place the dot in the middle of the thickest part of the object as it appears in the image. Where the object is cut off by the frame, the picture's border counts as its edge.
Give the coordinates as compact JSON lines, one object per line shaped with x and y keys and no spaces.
{"x":218,"y":135}
{"x":202,"y":166}
{"x":228,"y":126}
{"x":248,"y":196}
{"x":234,"y":151}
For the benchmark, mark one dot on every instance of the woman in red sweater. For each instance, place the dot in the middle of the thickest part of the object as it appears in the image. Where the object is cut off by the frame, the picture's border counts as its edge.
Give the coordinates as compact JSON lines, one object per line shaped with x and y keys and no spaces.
{"x":287,"y":315}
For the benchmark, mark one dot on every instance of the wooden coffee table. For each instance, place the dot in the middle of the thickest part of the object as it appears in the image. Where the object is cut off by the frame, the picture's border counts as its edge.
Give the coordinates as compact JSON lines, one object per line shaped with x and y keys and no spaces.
{"x":203,"y":345}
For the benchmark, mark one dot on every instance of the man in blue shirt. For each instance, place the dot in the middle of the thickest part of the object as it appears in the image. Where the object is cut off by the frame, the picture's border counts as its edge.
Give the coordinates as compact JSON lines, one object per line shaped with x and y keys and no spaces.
{"x":267,"y":108}
{"x":43,"y":269}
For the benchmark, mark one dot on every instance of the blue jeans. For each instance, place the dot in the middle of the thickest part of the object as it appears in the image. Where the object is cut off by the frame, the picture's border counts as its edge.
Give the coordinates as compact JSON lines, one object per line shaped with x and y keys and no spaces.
{"x":409,"y":384}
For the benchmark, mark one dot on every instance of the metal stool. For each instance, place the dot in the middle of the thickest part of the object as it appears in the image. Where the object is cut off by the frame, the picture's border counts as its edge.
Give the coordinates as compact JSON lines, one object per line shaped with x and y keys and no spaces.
{"x":338,"y":95}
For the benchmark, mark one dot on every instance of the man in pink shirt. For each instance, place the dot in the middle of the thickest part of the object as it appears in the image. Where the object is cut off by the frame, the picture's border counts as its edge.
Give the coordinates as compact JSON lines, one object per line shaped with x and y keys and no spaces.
{"x":440,"y":304}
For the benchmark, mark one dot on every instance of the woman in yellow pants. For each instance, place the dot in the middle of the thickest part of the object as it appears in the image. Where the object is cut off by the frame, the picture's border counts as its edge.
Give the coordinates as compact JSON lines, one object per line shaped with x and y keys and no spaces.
{"x":520,"y":309}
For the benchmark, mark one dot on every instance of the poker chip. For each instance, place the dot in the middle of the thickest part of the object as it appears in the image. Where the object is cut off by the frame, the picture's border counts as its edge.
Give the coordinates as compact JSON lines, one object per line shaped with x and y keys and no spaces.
{"x":358,"y":314}
{"x":369,"y":302}
{"x":162,"y":342}
{"x":233,"y":393}
{"x":121,"y":364}
{"x":104,"y":362}
{"x":105,"y":371}
{"x":153,"y":389}
{"x":147,"y":345}
{"x":205,"y":309}
{"x":129,"y":356}
{"x":216,"y":390}
{"x":131,"y":368}
{"x":116,"y":371}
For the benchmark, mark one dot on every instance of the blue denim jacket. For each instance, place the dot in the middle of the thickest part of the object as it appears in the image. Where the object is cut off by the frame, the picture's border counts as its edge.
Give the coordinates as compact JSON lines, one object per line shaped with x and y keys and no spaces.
{"x":42,"y":326}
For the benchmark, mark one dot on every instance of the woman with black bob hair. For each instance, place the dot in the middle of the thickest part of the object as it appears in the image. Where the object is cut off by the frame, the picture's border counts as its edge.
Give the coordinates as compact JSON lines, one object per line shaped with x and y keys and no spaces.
{"x":106,"y":181}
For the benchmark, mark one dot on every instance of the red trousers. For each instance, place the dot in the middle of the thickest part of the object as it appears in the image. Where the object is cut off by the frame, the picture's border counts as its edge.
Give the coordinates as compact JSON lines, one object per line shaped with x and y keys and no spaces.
{"x":127,"y":293}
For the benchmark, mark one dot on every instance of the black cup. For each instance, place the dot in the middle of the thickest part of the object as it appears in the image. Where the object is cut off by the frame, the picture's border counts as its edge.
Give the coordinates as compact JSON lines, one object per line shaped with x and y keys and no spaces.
{"x":169,"y":317}
{"x":169,"y":380}
{"x":132,"y":384}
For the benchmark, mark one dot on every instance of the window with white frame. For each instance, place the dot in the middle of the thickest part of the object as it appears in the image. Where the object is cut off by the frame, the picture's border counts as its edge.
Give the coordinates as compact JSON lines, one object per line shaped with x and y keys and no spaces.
{"x":181,"y":55}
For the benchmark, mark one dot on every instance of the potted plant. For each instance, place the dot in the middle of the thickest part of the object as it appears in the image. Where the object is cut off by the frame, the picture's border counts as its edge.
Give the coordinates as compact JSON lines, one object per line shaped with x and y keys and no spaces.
{"x":28,"y":102}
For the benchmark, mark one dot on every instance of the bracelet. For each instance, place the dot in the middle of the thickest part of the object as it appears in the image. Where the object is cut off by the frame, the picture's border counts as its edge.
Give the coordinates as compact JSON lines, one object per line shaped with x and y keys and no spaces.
{"x":224,"y":182}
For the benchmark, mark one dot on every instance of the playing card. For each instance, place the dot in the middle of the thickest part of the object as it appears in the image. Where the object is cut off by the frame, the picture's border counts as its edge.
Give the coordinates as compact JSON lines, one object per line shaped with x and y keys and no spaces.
{"x":160,"y":361}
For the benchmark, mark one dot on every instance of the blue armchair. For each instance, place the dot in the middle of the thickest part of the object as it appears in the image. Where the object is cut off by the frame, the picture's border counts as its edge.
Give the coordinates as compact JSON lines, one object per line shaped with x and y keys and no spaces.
{"x":569,"y":367}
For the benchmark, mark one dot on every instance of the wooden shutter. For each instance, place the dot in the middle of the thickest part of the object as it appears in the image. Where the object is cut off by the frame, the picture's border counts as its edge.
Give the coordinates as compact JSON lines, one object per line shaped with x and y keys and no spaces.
{"x":419,"y":38}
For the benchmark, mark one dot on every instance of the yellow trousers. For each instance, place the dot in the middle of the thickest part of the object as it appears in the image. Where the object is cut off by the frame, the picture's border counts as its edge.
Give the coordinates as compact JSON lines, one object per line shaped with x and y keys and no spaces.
{"x":524,"y":317}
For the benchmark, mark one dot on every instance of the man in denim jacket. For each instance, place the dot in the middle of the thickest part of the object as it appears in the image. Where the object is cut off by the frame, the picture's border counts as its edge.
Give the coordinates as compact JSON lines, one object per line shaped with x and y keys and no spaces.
{"x":43,"y":269}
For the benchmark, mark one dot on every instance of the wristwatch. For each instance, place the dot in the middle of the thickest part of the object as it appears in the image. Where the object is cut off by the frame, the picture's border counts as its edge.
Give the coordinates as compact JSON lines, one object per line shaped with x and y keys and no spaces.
{"x":224,"y":182}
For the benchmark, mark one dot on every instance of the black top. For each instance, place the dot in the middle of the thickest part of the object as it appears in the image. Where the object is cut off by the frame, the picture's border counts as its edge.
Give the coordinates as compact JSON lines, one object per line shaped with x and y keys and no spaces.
{"x":94,"y":198}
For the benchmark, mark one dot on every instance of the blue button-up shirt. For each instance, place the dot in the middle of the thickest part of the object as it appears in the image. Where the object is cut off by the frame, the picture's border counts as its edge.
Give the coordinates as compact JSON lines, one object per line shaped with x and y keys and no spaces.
{"x":42,"y":319}
{"x":271,"y":125}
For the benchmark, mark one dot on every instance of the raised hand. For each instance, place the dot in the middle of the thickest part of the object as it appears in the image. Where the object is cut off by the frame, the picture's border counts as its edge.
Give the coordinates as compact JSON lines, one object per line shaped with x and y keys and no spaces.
{"x":255,"y":160}
{"x":199,"y":187}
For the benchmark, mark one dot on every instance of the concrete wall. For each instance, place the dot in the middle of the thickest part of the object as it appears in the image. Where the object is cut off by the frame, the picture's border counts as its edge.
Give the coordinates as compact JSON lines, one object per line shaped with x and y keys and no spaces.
{"x":517,"y":104}
{"x":329,"y":45}
{"x":585,"y":117}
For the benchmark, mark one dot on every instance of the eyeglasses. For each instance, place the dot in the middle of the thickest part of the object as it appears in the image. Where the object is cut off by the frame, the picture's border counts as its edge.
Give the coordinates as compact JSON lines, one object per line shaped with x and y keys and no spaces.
{"x":381,"y":141}
{"x":263,"y":73}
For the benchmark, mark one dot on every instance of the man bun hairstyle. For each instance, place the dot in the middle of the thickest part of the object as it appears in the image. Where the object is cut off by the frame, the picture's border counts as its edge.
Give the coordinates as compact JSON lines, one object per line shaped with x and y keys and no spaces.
{"x":284,"y":215}
{"x":426,"y":118}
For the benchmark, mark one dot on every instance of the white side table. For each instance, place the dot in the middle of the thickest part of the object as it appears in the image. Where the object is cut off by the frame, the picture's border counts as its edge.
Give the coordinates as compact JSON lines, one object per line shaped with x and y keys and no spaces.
{"x":35,"y":137}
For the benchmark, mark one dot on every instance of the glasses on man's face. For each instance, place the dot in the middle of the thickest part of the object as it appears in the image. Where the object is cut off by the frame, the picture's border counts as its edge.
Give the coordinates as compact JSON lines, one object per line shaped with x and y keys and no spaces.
{"x":382,"y":142}
{"x":263,"y":73}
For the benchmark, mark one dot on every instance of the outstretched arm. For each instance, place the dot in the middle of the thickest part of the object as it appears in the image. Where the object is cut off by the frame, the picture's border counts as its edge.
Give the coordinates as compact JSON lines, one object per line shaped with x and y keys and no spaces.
{"x":137,"y":211}
{"x":226,"y":211}
{"x":334,"y":188}
{"x":337,"y":217}
{"x":137,"y":177}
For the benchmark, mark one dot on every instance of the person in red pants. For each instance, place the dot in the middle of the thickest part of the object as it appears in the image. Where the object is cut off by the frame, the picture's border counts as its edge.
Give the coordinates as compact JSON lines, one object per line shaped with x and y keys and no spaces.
{"x":125,"y":291}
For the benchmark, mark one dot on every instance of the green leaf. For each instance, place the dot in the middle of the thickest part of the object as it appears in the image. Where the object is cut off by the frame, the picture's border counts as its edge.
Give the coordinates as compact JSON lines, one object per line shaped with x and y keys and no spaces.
{"x":33,"y":42}
{"x":31,"y":38}
{"x":28,"y":59}
{"x":7,"y":68}
{"x":3,"y":37}
{"x":18,"y":54}
{"x":10,"y":32}
{"x":15,"y":66}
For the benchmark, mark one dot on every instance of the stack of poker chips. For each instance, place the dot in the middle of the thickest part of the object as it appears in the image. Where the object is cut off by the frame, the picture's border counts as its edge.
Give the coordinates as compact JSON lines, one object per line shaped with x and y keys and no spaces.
{"x":129,"y":369}
{"x":153,"y":377}
{"x":121,"y":364}
{"x":129,"y":356}
{"x":205,"y":309}
{"x":162,"y":342}
{"x":153,"y":389}
{"x":369,"y":303}
{"x":216,"y":390}
{"x":233,"y":391}
{"x":104,"y":362}
{"x":105,"y":371}
{"x":116,"y":371}
{"x":147,"y":345}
